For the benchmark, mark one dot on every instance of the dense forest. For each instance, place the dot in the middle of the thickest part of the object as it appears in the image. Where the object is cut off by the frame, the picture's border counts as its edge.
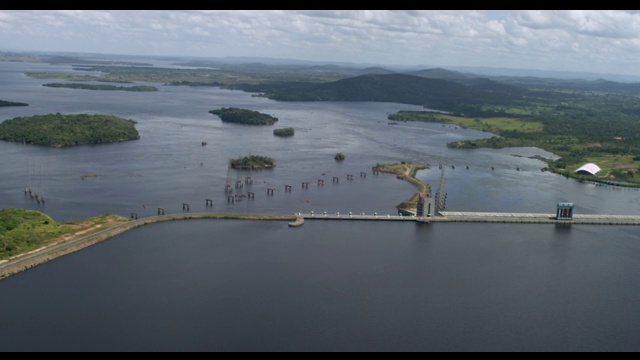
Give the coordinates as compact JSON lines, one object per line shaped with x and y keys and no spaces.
{"x":244,"y":116}
{"x":9,"y":103}
{"x":102,"y":87}
{"x":68,"y":130}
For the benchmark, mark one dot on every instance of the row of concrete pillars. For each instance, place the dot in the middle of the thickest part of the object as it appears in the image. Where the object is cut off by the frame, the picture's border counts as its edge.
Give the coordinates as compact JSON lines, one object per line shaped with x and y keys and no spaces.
{"x":239,"y":184}
{"x":251,"y":195}
{"x":232,"y":199}
{"x":287,"y":188}
{"x":34,"y":195}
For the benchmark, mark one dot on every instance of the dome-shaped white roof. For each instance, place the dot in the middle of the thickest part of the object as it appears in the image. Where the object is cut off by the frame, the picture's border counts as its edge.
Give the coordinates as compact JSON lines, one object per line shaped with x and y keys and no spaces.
{"x":590,"y":168}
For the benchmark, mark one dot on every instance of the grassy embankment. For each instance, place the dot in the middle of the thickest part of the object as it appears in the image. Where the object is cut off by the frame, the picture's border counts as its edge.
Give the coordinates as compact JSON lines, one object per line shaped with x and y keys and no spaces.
{"x":27,"y":231}
{"x":29,"y":238}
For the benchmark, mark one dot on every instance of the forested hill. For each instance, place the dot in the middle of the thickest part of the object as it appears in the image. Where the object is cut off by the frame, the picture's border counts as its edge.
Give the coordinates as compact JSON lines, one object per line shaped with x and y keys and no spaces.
{"x":400,"y":88}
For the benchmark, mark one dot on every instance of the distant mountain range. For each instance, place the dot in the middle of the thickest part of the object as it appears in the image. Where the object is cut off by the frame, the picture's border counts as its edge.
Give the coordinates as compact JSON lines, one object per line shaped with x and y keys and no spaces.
{"x":434,"y":88}
{"x":473,"y":71}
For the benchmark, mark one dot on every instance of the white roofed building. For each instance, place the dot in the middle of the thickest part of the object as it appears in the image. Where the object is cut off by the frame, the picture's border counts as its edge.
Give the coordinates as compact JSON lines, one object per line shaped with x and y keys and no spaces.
{"x":588,"y":169}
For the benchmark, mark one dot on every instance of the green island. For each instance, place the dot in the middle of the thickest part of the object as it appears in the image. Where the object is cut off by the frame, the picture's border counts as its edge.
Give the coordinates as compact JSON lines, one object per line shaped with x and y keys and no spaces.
{"x":9,"y":103}
{"x":252,"y":162}
{"x":407,"y":172}
{"x":285,"y":132}
{"x":68,"y":130}
{"x":102,"y":87}
{"x":339,"y":156}
{"x":244,"y":116}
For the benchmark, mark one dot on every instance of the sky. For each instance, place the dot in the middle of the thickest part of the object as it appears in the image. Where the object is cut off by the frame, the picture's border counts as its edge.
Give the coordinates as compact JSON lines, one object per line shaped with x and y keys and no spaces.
{"x":597,"y":41}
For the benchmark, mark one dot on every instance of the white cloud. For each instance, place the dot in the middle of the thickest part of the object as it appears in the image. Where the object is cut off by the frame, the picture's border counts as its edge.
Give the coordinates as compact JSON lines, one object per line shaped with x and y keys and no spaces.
{"x":603,"y":40}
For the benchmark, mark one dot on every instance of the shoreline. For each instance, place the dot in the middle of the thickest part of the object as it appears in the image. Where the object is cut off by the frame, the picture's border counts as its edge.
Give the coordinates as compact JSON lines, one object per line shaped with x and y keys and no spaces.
{"x":45,"y":254}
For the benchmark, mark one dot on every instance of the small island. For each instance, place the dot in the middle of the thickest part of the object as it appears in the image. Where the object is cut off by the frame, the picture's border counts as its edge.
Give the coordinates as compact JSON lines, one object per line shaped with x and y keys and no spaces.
{"x":286,"y":132}
{"x":252,"y":162}
{"x":59,"y":130}
{"x":9,"y":103}
{"x":244,"y":116}
{"x":140,"y":88}
{"x":339,"y":157}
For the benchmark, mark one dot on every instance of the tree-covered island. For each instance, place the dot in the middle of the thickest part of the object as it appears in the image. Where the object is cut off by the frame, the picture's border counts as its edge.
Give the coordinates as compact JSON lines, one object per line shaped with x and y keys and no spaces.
{"x":285,"y":132}
{"x":139,"y":88}
{"x":244,"y":116}
{"x":252,"y":162}
{"x":68,"y":130}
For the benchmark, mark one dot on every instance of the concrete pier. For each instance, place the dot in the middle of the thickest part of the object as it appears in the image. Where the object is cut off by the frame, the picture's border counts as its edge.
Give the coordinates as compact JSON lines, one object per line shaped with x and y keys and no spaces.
{"x":535,"y":218}
{"x":486,"y":217}
{"x":350,"y":216}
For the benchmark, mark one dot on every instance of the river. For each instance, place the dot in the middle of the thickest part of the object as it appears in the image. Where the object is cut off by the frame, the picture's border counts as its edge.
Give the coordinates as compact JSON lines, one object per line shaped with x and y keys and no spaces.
{"x":237,"y":285}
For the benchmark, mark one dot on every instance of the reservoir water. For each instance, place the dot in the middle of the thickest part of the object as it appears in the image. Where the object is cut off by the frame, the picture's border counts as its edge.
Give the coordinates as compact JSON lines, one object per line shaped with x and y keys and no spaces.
{"x":233,"y":285}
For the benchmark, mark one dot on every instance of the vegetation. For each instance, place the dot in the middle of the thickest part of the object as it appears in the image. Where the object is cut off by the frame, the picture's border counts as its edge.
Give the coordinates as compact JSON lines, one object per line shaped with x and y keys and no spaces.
{"x":252,"y":162}
{"x":433,"y":93}
{"x":202,"y":73}
{"x":68,"y":130}
{"x":9,"y":103}
{"x":102,"y":87}
{"x":339,"y":157}
{"x":284,"y":132}
{"x":22,"y":231}
{"x":614,"y":145}
{"x":244,"y":116}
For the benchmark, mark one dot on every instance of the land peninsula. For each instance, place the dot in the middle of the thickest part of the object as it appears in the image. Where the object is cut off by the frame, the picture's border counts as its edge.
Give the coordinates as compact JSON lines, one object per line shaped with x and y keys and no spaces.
{"x":407,"y":171}
{"x":244,"y":116}
{"x":576,"y":140}
{"x":23,"y":231}
{"x":141,"y":88}
{"x":9,"y":103}
{"x":59,"y":130}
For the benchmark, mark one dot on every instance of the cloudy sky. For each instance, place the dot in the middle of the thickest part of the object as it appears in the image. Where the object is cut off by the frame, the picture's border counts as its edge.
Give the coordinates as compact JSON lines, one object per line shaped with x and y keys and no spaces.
{"x":600,"y":41}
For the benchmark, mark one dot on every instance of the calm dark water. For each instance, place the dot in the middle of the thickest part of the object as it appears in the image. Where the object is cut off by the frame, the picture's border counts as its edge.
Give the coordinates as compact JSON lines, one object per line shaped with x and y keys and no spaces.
{"x":261,"y":286}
